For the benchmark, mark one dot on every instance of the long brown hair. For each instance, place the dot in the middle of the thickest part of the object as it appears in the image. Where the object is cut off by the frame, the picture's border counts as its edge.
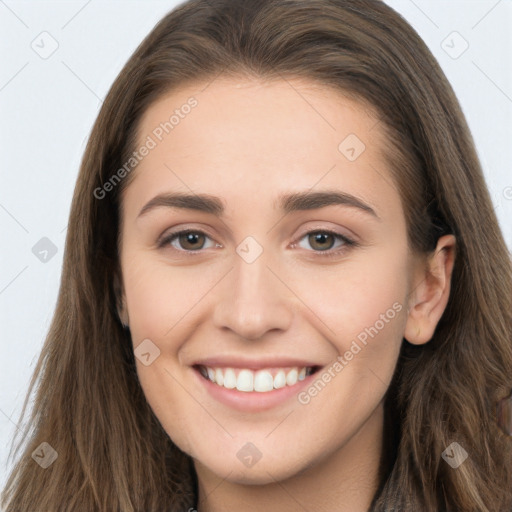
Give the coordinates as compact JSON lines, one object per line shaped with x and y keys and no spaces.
{"x":89,"y":407}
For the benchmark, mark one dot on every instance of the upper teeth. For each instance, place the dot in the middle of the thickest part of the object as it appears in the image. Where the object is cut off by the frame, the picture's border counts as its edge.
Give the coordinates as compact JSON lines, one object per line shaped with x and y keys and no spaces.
{"x":248,"y":380}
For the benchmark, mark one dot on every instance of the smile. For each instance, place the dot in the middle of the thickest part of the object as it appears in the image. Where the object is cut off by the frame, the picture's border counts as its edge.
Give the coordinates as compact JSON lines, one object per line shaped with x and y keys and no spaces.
{"x":262,"y":381}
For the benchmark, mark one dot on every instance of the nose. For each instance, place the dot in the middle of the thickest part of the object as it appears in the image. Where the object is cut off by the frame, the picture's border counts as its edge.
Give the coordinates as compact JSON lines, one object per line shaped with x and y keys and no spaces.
{"x":253,"y":300}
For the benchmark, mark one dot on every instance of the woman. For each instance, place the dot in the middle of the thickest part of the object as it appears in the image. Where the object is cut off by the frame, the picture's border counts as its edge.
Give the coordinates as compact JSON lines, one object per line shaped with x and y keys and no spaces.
{"x":284,"y":284}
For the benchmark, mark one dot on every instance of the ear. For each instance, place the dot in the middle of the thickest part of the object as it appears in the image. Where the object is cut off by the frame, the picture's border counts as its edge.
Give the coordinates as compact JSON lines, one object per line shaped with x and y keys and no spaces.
{"x":431,"y":291}
{"x":122,"y":310}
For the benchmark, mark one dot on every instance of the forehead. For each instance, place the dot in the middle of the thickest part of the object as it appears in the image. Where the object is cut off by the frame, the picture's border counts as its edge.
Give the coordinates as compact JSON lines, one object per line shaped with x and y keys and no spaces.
{"x":251,"y":140}
{"x":257,"y":116}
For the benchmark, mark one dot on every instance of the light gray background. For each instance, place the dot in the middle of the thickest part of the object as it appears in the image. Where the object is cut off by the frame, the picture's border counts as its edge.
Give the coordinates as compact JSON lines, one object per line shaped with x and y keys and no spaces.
{"x":48,"y":106}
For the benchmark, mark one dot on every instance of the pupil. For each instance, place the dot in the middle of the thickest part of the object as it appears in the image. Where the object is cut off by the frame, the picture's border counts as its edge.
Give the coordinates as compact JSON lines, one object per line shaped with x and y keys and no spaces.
{"x":191,"y":239}
{"x":320,"y":238}
{"x":317,"y":238}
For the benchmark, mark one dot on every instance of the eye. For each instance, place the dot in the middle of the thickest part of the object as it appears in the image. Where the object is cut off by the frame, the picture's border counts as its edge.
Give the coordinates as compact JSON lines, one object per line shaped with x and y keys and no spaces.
{"x":188,"y":240}
{"x":321,"y":241}
{"x":324,"y":241}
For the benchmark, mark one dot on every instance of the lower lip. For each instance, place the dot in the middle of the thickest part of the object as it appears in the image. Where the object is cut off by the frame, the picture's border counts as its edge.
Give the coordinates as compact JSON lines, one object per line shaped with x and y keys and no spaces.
{"x":253,"y":401}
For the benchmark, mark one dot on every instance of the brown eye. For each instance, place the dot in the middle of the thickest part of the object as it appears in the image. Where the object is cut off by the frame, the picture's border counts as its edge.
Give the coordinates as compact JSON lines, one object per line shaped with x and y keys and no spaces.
{"x":191,"y":240}
{"x":187,"y":241}
{"x":326,"y":243}
{"x":321,"y":240}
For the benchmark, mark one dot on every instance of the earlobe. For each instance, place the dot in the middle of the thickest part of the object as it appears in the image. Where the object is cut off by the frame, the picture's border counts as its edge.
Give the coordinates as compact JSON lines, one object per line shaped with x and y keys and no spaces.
{"x":123,"y":315}
{"x":121,"y":301}
{"x":430,"y":293}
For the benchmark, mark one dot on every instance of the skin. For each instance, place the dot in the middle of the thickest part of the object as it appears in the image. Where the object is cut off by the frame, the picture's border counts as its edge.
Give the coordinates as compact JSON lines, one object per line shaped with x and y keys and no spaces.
{"x":247,"y":142}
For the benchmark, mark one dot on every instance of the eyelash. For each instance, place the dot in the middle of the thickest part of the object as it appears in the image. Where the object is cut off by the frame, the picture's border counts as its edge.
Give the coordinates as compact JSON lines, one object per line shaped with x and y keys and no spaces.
{"x":347,"y":242}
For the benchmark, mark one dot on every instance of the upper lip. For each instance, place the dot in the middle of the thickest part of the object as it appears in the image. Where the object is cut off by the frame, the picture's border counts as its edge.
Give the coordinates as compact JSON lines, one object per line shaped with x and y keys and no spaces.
{"x":254,"y":364}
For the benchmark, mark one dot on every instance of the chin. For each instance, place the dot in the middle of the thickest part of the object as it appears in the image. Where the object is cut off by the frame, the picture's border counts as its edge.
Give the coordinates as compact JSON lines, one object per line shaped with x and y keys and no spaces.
{"x":262,"y":472}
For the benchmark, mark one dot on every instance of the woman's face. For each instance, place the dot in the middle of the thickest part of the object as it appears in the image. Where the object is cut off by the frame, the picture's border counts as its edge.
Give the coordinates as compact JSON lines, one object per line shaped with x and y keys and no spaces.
{"x":296,"y":258}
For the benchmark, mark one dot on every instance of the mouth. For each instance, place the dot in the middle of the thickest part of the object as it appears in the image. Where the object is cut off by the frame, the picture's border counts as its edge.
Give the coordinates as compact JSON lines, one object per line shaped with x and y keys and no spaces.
{"x":264,"y":380}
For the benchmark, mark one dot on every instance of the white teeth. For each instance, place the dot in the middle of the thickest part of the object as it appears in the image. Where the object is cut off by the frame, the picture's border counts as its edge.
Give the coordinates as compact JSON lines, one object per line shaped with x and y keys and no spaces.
{"x":219,"y":377}
{"x":229,"y":378}
{"x":245,"y":381}
{"x":248,"y":380}
{"x":291,"y":377}
{"x":280,"y":380}
{"x":263,"y":381}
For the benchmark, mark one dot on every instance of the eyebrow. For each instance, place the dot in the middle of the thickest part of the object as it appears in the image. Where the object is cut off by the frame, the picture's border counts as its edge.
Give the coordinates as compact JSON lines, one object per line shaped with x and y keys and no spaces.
{"x":287,"y":203}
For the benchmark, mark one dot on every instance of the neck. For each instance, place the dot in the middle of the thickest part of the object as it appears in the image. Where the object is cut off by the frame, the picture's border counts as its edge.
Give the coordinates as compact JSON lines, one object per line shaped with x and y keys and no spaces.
{"x":345,"y":480}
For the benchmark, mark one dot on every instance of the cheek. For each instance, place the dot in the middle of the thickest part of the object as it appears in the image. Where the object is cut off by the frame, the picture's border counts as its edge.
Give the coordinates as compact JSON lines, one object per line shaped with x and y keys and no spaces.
{"x":360,"y":310}
{"x":361,"y":313}
{"x":158,"y":296}
{"x":356,"y":296}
